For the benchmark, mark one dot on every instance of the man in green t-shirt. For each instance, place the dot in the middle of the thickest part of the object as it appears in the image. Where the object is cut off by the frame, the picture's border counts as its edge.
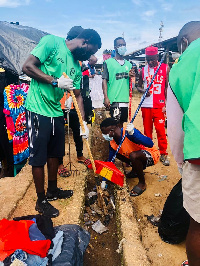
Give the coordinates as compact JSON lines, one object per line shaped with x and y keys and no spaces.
{"x":116,"y":74}
{"x":46,"y":64}
{"x":183,"y":129}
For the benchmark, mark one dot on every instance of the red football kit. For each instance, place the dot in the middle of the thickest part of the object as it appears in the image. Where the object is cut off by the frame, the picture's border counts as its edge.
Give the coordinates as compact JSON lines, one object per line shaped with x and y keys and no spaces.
{"x":153,"y":105}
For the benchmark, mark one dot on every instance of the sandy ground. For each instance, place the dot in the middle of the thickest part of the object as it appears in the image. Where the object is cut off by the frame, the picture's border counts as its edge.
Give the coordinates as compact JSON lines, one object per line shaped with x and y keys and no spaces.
{"x":158,"y":252}
{"x":70,"y":209}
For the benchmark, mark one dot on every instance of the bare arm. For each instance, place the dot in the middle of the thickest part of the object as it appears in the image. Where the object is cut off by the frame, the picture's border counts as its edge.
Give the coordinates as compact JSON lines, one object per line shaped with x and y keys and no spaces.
{"x":30,"y":67}
{"x":140,"y":83}
{"x":132,"y":73}
{"x":105,"y":88}
{"x":79,"y":99}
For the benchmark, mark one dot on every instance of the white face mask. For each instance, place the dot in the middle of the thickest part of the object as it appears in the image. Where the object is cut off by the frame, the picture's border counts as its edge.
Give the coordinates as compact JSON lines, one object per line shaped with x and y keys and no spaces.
{"x":107,"y":137}
{"x":122,"y":50}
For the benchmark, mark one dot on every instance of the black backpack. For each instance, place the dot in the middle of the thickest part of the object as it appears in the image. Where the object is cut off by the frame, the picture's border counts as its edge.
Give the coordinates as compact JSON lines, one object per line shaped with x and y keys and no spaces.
{"x":174,"y":222}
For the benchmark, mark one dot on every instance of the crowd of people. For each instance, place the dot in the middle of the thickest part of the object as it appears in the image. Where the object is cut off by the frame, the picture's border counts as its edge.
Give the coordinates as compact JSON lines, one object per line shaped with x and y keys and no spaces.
{"x":173,"y":94}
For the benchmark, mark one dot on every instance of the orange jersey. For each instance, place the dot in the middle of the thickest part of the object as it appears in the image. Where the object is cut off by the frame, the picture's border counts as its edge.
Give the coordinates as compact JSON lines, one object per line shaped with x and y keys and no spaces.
{"x":129,"y":146}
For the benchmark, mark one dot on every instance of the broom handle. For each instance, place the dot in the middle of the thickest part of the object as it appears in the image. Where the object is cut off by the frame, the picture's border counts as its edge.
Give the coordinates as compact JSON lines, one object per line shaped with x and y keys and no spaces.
{"x":82,"y":125}
{"x":130,"y":98}
{"x":140,"y":104}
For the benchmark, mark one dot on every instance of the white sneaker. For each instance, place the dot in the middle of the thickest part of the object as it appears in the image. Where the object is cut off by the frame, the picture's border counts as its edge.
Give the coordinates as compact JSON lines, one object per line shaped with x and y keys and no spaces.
{"x":164,"y":159}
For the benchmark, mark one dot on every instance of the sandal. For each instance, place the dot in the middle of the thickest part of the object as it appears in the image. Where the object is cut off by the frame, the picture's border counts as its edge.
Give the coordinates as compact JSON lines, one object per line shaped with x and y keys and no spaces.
{"x":64,"y":172}
{"x":136,"y":191}
{"x":81,"y":159}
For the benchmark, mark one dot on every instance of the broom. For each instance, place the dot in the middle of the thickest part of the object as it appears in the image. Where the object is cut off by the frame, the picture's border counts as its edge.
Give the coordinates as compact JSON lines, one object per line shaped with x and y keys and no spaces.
{"x":101,"y":201}
{"x":139,"y":106}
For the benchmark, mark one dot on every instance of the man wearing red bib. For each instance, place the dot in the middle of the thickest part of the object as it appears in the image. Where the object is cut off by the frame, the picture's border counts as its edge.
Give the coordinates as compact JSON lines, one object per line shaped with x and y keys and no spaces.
{"x":153,"y":107}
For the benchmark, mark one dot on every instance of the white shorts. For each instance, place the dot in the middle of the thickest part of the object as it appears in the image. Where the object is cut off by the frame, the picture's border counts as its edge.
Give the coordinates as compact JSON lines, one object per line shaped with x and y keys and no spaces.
{"x":191,"y":190}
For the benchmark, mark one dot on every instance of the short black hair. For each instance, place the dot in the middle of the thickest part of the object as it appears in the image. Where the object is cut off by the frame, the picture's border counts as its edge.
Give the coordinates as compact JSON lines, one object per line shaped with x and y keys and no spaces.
{"x":108,"y":122}
{"x":115,"y":40}
{"x":74,"y":32}
{"x":91,"y":36}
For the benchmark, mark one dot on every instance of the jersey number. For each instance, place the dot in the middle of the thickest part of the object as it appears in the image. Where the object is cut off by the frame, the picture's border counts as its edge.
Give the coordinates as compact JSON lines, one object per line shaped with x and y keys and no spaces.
{"x":157,"y":88}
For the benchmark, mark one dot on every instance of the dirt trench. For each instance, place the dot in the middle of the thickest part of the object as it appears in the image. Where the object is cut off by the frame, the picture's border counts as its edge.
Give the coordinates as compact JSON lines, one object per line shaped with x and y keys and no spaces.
{"x":143,"y":234}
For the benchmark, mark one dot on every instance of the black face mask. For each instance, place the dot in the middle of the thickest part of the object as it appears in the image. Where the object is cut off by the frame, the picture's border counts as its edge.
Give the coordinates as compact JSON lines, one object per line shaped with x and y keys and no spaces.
{"x":81,"y":54}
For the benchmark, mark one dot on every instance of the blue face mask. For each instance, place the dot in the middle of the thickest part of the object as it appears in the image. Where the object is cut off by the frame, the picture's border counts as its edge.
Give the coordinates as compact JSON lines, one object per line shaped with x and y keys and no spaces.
{"x":122,"y":50}
{"x":107,"y":137}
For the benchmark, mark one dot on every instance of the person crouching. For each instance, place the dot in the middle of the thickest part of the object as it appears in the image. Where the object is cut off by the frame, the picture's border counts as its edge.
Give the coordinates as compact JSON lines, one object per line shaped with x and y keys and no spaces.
{"x":137,"y":150}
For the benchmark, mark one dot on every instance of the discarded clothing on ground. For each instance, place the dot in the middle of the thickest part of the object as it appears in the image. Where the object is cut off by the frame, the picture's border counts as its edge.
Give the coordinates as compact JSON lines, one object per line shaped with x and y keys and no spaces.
{"x":67,"y":246}
{"x":15,"y":235}
{"x":44,"y":224}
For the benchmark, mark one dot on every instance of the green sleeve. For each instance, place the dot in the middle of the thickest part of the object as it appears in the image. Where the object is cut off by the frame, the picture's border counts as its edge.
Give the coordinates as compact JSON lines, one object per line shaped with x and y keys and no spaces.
{"x":77,"y":80}
{"x":44,"y":48}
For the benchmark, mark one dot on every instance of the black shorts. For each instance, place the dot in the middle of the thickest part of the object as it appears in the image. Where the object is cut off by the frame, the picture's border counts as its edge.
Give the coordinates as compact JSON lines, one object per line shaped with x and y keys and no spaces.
{"x":46,"y":136}
{"x":150,"y":160}
{"x":120,"y":114}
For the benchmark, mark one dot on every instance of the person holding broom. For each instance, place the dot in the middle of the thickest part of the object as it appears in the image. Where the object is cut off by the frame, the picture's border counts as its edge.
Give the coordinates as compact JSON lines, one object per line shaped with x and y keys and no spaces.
{"x":153,"y":107}
{"x":136,"y":150}
{"x":66,"y":105}
{"x":46,"y":64}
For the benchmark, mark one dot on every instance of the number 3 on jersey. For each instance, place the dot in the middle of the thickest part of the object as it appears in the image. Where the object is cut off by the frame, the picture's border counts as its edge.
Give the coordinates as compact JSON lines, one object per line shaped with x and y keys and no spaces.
{"x":157,"y":88}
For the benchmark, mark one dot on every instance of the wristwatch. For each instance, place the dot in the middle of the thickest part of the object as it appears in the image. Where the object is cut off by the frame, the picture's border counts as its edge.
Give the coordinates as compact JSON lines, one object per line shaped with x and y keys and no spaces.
{"x":54,"y":83}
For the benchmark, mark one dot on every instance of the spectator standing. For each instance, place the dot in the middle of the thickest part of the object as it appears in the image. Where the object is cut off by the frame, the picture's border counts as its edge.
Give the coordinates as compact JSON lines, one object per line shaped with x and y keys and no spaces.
{"x":91,"y":65}
{"x":184,"y":128}
{"x":153,"y":107}
{"x":116,"y":74}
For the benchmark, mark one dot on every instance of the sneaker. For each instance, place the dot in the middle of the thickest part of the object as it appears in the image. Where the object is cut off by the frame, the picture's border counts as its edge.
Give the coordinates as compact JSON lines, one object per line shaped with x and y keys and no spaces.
{"x":46,"y":209}
{"x":164,"y":159}
{"x":59,"y":194}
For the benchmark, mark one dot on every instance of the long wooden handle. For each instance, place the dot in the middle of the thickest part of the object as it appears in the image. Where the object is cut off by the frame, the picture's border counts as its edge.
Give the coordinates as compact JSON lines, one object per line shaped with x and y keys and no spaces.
{"x":82,"y":125}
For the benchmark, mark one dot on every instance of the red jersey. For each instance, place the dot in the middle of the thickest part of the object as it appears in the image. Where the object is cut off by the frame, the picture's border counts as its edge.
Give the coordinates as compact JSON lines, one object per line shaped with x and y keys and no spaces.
{"x":157,"y":90}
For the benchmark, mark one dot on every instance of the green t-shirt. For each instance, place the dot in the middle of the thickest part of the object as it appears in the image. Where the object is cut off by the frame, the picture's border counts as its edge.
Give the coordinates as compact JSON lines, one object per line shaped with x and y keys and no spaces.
{"x":55,"y":58}
{"x":117,"y":80}
{"x":184,"y":79}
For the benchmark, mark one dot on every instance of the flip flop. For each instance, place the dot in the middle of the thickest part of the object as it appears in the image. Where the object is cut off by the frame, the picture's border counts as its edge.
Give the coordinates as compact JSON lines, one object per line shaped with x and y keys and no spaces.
{"x":64,"y":172}
{"x":136,"y":191}
{"x":82,"y":160}
{"x":185,"y":263}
